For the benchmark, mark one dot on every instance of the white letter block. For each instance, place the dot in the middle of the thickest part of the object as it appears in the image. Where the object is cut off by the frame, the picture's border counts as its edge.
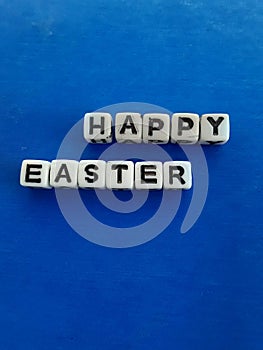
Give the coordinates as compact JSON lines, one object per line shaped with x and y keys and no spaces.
{"x":215,"y":129}
{"x":128,"y":127}
{"x":35,"y":173}
{"x":120,"y":175}
{"x":64,"y":173}
{"x":185,"y":128}
{"x":177,"y":175}
{"x":148,"y":175}
{"x":156,"y":128}
{"x":97,"y":127}
{"x":91,"y":174}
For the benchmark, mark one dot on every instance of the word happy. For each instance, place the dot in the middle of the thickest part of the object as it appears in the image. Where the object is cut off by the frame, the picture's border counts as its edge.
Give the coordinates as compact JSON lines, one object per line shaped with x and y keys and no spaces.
{"x":159,"y":128}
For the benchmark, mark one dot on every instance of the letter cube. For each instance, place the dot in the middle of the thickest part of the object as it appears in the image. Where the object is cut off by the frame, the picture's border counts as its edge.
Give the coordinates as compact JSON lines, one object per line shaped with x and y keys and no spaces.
{"x":64,"y":173}
{"x":215,"y":129}
{"x":97,"y":127}
{"x":148,"y":175}
{"x":120,"y":175}
{"x":91,"y":174}
{"x":128,"y":127}
{"x":185,"y":128}
{"x":156,"y":128}
{"x":35,"y":173}
{"x":177,"y":175}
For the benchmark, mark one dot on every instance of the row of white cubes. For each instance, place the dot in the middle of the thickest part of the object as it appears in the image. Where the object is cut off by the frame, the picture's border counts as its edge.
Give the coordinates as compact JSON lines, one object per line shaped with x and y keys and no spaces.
{"x":186,"y":128}
{"x":98,"y":174}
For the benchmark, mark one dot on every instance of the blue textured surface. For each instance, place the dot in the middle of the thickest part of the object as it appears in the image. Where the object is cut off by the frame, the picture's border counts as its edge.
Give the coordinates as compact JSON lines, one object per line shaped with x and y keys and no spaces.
{"x":202,"y":290}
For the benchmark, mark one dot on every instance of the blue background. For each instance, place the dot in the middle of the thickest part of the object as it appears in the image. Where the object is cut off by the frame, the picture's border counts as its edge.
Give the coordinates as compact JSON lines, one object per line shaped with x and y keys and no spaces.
{"x":202,"y":290}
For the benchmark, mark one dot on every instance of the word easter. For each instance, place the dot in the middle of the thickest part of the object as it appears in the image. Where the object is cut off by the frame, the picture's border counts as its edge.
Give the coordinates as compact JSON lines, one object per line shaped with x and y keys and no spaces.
{"x":185,"y":128}
{"x":98,"y":174}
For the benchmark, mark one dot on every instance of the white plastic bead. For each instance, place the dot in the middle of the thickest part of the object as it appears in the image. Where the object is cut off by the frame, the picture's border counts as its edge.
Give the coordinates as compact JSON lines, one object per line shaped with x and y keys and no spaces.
{"x":156,"y":128}
{"x":97,"y":127}
{"x":215,"y":129}
{"x":91,"y":174}
{"x":128,"y":127}
{"x":148,"y":175}
{"x":120,"y":175}
{"x":64,"y":173}
{"x":185,"y":128}
{"x":35,"y":173}
{"x":177,"y":175}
